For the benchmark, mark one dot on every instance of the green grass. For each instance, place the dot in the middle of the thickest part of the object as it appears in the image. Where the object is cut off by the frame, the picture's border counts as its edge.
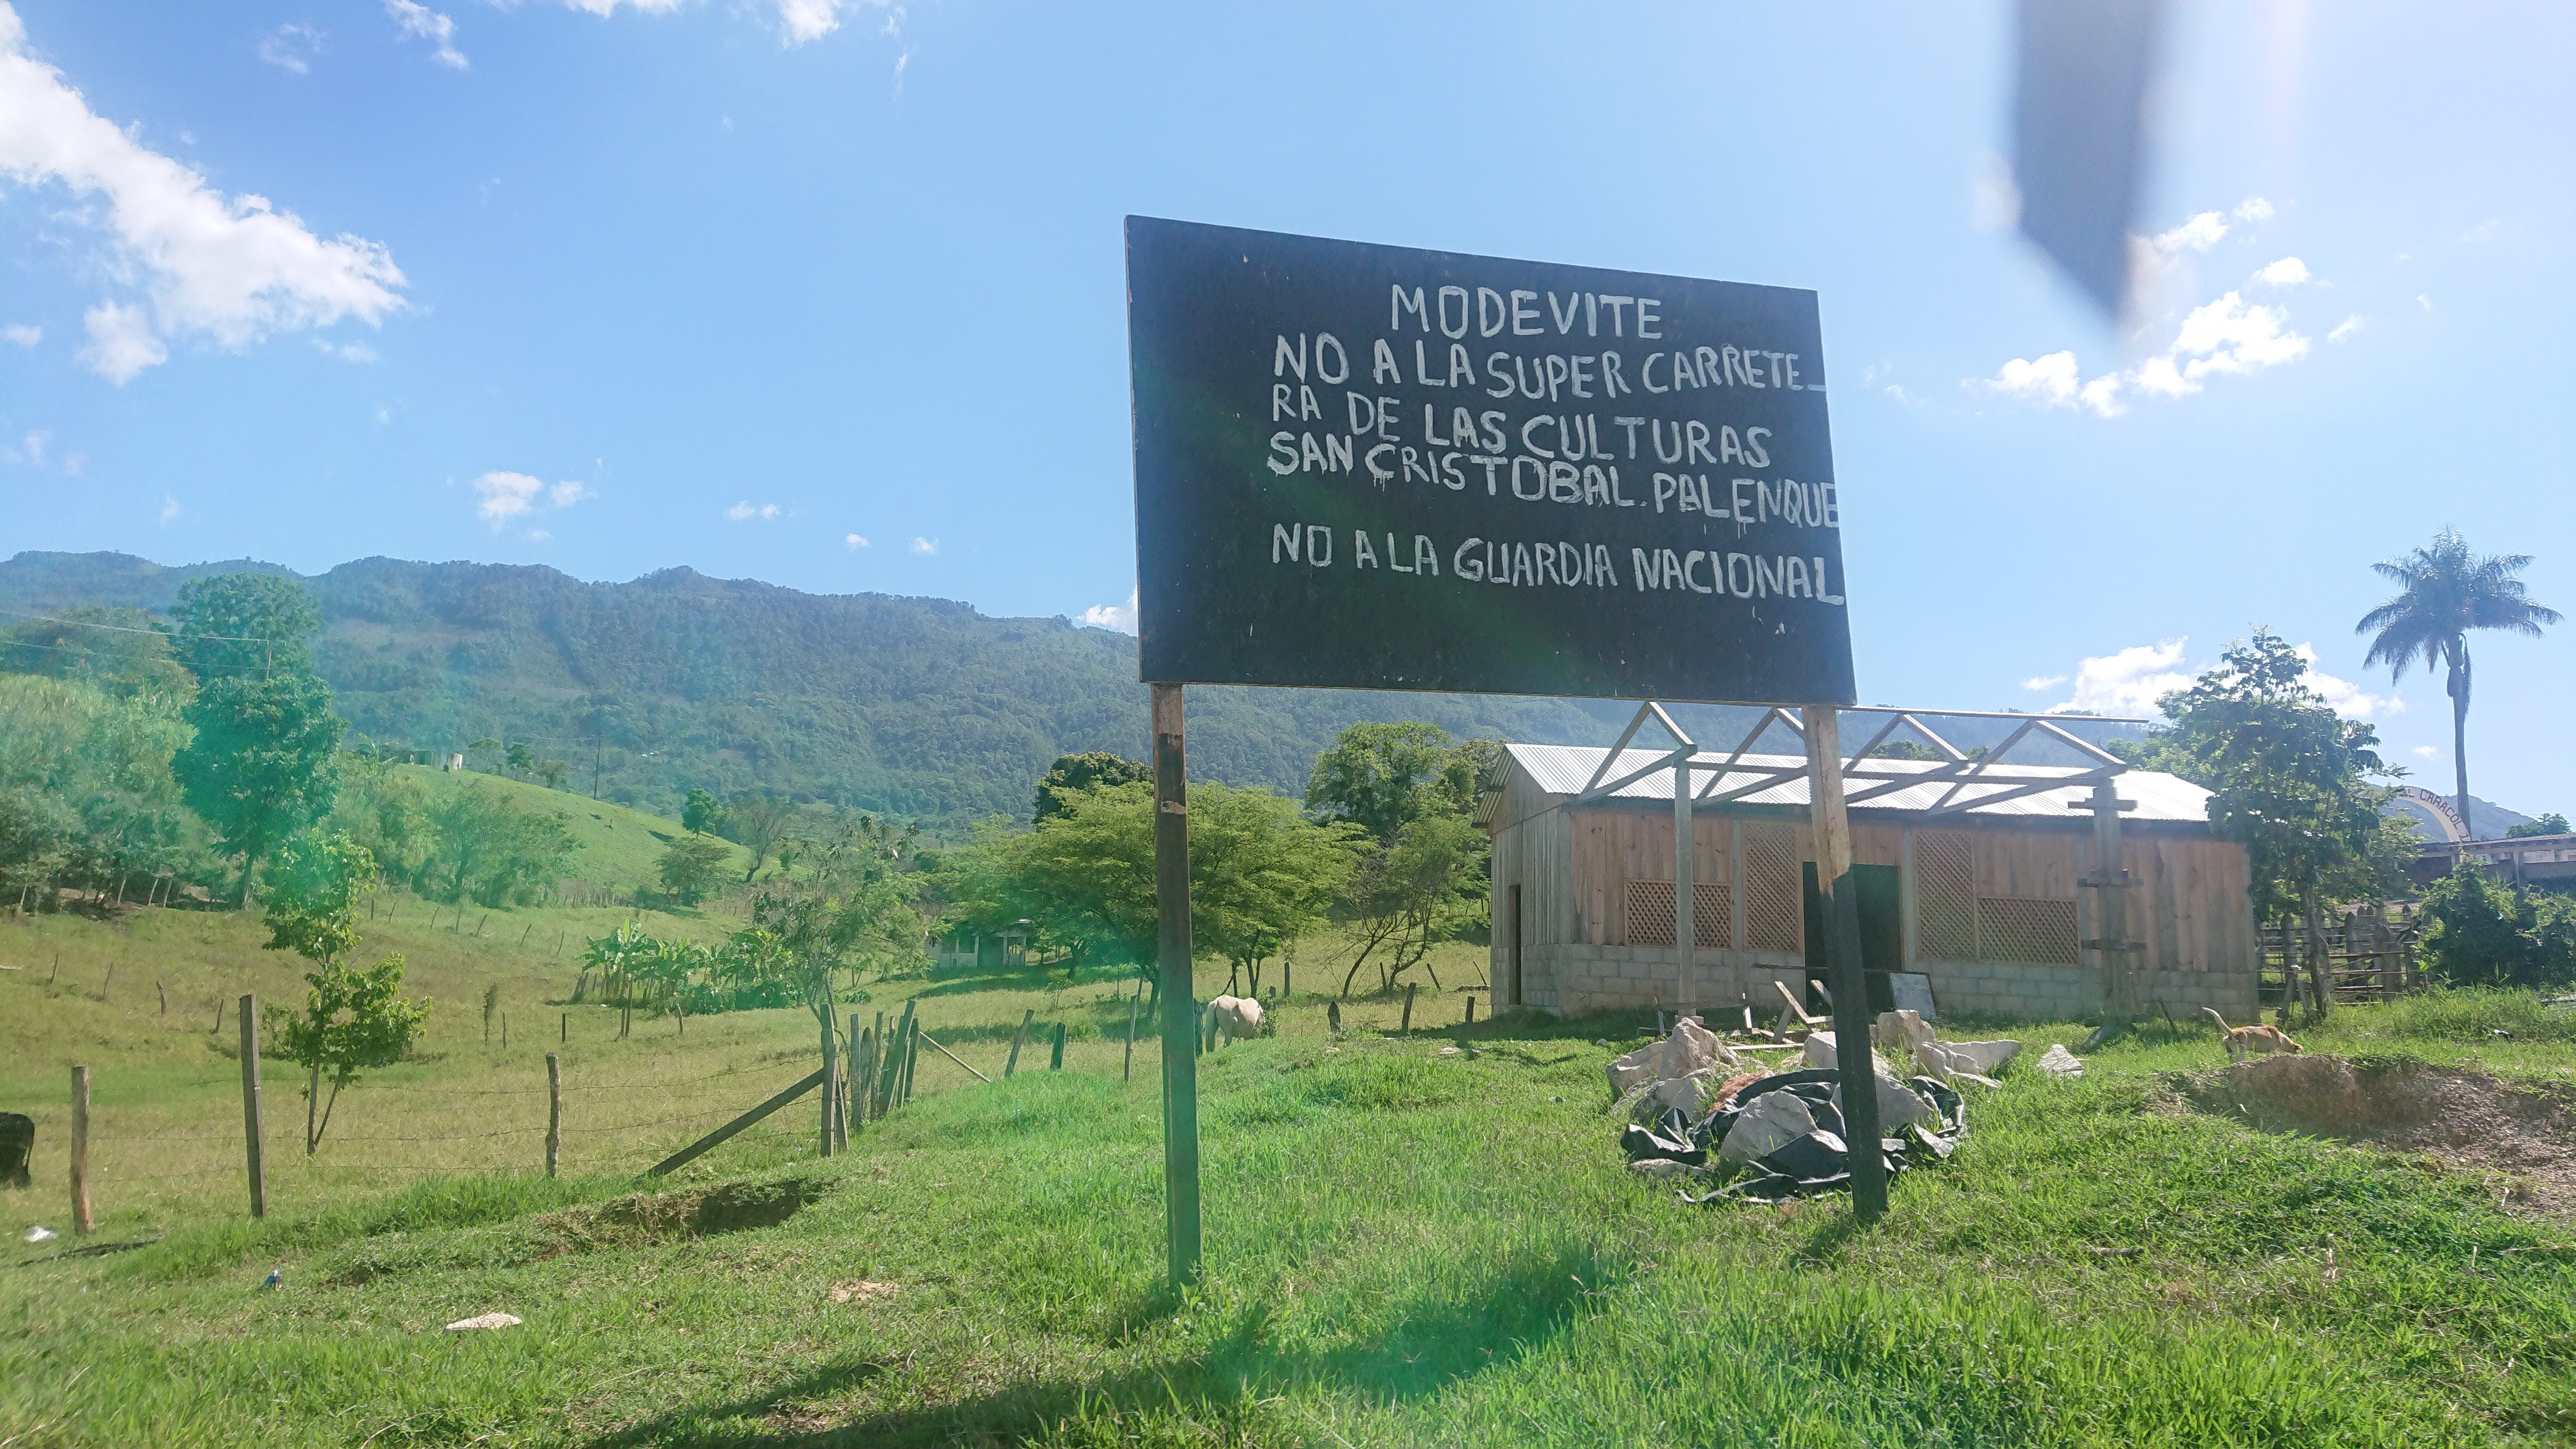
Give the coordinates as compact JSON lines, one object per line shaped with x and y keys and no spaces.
{"x":621,"y":848}
{"x":1403,"y":1247}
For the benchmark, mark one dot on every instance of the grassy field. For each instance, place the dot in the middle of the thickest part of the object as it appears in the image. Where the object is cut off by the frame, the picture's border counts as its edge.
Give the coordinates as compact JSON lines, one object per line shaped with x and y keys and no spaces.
{"x":1405,"y":1244}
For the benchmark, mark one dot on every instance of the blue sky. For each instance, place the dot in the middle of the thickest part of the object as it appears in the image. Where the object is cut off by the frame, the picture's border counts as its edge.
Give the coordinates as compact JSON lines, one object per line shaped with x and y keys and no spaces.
{"x":830,"y":294}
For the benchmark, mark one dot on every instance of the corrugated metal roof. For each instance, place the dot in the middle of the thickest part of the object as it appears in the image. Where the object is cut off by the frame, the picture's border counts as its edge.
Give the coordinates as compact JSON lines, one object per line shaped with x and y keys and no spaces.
{"x":1562,"y":770}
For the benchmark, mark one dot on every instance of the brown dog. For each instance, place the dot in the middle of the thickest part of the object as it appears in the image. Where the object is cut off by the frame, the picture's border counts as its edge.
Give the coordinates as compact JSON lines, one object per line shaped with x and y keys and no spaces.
{"x":2245,"y":1041}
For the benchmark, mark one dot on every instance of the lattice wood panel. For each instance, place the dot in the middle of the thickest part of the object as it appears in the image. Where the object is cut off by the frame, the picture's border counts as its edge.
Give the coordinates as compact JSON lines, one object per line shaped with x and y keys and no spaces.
{"x":1650,"y":914}
{"x":1775,"y":907}
{"x":2022,"y":930}
{"x":1945,"y":895}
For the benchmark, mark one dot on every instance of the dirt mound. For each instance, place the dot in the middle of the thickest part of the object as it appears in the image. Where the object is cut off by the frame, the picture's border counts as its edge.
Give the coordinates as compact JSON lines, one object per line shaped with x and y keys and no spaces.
{"x":2462,"y":1117}
{"x":729,"y":1207}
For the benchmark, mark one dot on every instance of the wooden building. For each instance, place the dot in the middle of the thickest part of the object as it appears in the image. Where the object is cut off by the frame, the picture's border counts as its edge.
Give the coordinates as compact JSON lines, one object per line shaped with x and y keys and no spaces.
{"x":1975,"y":873}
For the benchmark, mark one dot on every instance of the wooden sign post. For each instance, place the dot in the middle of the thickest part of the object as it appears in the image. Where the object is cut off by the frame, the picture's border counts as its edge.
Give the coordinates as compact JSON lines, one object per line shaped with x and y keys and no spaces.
{"x":1180,"y":1008}
{"x":1853,"y":1055}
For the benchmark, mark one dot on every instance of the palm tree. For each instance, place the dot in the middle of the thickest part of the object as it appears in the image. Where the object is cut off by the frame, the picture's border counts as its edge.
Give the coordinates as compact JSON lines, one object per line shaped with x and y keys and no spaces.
{"x":2444,"y":592}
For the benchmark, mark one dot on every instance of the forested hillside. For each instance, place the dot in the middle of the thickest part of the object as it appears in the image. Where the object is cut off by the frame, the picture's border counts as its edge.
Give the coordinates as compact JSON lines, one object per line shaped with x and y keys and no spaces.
{"x":919,"y":707}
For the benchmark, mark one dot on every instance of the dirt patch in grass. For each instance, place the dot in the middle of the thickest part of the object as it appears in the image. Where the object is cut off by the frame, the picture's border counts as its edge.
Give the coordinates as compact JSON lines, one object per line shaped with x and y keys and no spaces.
{"x":646,"y":1218}
{"x":2465,"y":1118}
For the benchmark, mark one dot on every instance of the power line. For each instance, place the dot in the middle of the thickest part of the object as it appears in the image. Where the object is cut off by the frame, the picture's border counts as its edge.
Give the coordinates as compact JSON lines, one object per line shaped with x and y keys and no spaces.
{"x":129,"y":629}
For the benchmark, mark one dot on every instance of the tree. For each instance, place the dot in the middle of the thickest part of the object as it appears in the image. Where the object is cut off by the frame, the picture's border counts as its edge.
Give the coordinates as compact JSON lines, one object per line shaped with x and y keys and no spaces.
{"x":1373,"y":774}
{"x":692,"y":867}
{"x":352,"y":1021}
{"x":2292,"y":781}
{"x":2486,"y":933}
{"x":1415,"y":893}
{"x":1260,"y":873}
{"x":850,"y":910}
{"x":519,"y":759}
{"x":703,"y":813}
{"x":313,"y":891}
{"x":1073,"y":774}
{"x":2552,"y":823}
{"x":260,"y":767}
{"x":491,"y":848}
{"x":553,"y":773}
{"x":760,"y":824}
{"x":248,"y":625}
{"x":2444,"y":592}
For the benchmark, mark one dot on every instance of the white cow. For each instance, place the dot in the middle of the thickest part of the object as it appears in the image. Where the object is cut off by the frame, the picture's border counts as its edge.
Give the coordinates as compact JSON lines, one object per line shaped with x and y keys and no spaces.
{"x":1236,"y":1016}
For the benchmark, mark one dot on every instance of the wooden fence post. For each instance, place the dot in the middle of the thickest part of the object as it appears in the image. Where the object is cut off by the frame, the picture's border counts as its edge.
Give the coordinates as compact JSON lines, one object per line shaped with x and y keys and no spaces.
{"x":1408,"y":1008}
{"x":554,"y":1111}
{"x":1127,"y":1069}
{"x":81,"y":1221}
{"x":911,"y":1052}
{"x":830,"y":1041}
{"x":250,"y":1104}
{"x":1018,"y":1037}
{"x":1055,"y":1059}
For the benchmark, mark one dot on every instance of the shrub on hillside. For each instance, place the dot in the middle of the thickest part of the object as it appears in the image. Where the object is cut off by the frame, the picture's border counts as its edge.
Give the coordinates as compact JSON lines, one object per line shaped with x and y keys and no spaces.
{"x":86,"y":795}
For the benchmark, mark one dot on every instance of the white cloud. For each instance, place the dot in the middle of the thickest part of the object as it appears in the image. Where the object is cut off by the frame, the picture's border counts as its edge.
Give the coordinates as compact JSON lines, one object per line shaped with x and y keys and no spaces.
{"x":803,"y":20}
{"x":30,"y":451}
{"x":420,"y":22}
{"x":232,"y":269}
{"x":747,"y":509}
{"x":855,"y":541}
{"x":2230,"y":335}
{"x":289,"y":48}
{"x":2050,"y":379}
{"x":2424,"y":301}
{"x":2346,"y":328}
{"x":2198,"y":235}
{"x":2055,"y":381}
{"x":2131,"y":680}
{"x":346,"y":351}
{"x":517,"y":495}
{"x":2043,"y":681}
{"x":121,"y":342}
{"x":2287,"y":272}
{"x":2427,"y":752}
{"x":924,"y":545}
{"x":2254,"y":209}
{"x":506,"y":496}
{"x":2128,"y":682}
{"x":170,"y":509}
{"x":24,"y":334}
{"x":2348,"y":699}
{"x":798,"y":20}
{"x":2233,"y":335}
{"x":1121,"y":617}
{"x":538,"y":535}
{"x":2483,"y":231}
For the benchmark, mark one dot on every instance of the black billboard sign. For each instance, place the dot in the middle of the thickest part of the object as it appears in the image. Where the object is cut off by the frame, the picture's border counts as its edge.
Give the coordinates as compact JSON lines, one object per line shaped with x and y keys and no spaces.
{"x":1376,"y":467}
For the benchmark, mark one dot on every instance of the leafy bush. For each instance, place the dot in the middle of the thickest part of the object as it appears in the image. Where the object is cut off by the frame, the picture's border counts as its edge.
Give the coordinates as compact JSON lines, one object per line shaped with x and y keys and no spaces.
{"x":2487,"y":933}
{"x":85,"y":787}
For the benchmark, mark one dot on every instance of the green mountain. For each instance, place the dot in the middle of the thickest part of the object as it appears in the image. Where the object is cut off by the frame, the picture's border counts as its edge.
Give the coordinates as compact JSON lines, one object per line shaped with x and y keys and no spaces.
{"x":922,"y":708}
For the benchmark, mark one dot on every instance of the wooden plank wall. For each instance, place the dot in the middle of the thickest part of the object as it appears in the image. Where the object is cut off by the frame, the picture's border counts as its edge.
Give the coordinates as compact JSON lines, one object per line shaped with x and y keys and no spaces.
{"x":1573,"y":866}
